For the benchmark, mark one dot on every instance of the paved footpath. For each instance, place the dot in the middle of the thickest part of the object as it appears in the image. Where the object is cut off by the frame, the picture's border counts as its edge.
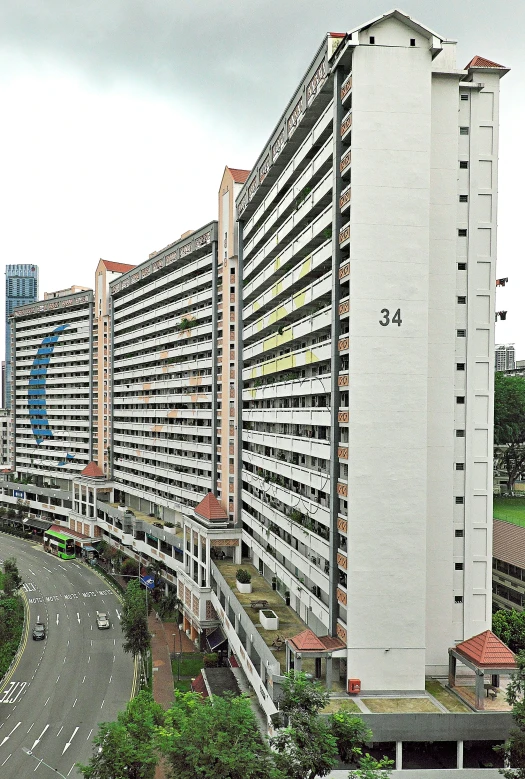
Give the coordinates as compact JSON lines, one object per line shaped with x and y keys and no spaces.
{"x":161,"y":646}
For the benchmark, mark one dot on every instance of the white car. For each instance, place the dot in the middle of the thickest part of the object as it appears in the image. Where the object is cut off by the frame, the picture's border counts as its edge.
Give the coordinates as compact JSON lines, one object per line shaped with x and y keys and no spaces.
{"x":102,"y":620}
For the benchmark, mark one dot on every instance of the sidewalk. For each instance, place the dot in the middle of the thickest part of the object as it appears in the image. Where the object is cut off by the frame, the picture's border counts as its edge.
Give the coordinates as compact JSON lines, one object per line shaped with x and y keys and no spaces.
{"x":162,"y":675}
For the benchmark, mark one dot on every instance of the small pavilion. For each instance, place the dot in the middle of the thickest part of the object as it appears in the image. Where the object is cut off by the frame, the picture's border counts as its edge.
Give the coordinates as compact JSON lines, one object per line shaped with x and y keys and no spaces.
{"x":319,"y":648}
{"x":484,"y":653}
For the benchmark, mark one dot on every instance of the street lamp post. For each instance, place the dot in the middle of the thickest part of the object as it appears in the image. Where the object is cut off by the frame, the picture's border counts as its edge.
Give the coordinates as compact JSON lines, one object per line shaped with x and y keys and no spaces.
{"x":41,"y":761}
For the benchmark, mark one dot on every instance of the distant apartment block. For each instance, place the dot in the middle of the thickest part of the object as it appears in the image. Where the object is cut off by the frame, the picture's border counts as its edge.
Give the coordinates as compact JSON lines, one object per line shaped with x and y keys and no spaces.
{"x":504,"y":357}
{"x":21,"y":287}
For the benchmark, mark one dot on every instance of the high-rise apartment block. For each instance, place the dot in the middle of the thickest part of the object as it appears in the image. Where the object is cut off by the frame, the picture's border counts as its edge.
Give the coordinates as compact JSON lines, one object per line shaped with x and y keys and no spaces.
{"x":303,"y":387}
{"x":505,"y":357}
{"x":21,"y":288}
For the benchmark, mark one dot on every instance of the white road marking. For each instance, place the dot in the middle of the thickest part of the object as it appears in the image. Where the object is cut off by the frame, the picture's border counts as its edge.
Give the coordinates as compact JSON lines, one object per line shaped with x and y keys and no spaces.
{"x":39,"y":738}
{"x":89,"y":658}
{"x":78,"y":617}
{"x":7,"y":737}
{"x":70,"y":740}
{"x":58,"y":677}
{"x":23,"y":685}
{"x":113,"y":658}
{"x":7,"y":758}
{"x":75,"y":703}
{"x":31,"y":572}
{"x":89,"y":734}
{"x":38,"y":764}
{"x":110,"y":678}
{"x":57,"y":619}
{"x":46,"y":569}
{"x":61,"y":566}
{"x":60,"y":731}
{"x":70,"y":769}
{"x":83,"y":680}
{"x":30,"y":727}
{"x":45,"y":704}
{"x":102,"y":703}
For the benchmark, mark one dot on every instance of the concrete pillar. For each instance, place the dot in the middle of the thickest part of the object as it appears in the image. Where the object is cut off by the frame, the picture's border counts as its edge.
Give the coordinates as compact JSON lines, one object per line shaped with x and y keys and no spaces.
{"x":329,"y":662}
{"x":237,"y":554}
{"x":262,"y":670}
{"x":399,"y":755}
{"x":297,"y":664}
{"x":459,"y":754}
{"x":451,"y":670}
{"x":480,"y":690}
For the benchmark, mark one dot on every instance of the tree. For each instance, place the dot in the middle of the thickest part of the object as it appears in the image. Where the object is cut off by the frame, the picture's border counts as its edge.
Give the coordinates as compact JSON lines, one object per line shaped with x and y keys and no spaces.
{"x":130,"y":567}
{"x":12,"y":578}
{"x":514,"y":748}
{"x":214,"y":740}
{"x":509,"y":425}
{"x":169,"y":604}
{"x":135,"y":620}
{"x":509,"y":626}
{"x":127,"y":747}
{"x":310,"y":745}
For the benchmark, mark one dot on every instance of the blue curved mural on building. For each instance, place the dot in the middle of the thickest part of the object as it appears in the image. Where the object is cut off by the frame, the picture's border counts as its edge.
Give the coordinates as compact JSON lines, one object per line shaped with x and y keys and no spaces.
{"x":36,"y":394}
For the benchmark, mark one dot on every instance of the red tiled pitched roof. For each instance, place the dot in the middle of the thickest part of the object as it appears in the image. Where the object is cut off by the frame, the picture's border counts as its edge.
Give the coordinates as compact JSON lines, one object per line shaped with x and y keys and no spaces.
{"x":198,"y":685}
{"x":307,"y":641}
{"x":211,"y":509}
{"x":92,"y":470}
{"x":481,"y":62}
{"x":487,"y":651}
{"x":332,"y":643}
{"x":508,"y":542}
{"x":118,"y":267}
{"x":239,"y":176}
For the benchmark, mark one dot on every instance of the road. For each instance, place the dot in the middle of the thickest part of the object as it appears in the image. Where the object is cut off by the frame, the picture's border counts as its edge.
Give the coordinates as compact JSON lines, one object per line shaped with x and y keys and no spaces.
{"x":64,"y":686}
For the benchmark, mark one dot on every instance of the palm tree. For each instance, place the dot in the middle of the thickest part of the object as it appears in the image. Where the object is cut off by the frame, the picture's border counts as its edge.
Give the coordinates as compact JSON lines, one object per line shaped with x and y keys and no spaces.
{"x":169,"y":604}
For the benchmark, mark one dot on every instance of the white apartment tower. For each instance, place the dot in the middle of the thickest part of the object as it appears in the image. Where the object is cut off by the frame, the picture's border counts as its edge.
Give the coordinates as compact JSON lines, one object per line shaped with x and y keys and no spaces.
{"x":367,"y":240}
{"x":504,"y":357}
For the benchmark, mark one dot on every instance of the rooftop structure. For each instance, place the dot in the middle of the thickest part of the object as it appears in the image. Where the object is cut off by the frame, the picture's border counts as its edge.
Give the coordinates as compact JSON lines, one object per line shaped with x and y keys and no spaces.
{"x":21,"y":287}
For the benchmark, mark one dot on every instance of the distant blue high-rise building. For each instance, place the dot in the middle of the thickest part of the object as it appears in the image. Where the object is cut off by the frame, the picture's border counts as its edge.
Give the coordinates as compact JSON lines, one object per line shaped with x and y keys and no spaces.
{"x":21,"y":287}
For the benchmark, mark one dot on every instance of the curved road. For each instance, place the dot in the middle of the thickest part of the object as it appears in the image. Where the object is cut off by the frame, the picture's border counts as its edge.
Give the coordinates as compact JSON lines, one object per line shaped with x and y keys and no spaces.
{"x":64,"y":686}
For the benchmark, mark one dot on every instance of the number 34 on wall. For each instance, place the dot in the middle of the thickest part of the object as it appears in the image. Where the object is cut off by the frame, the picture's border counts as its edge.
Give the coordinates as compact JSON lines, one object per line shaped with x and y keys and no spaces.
{"x":395,"y":320}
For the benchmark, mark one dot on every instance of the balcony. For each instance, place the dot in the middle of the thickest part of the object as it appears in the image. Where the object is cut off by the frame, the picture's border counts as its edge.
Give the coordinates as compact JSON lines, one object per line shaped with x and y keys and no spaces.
{"x":346,"y":88}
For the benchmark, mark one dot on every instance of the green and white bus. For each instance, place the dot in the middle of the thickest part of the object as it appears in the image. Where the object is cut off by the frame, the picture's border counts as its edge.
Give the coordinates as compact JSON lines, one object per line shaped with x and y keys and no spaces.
{"x":59,"y":544}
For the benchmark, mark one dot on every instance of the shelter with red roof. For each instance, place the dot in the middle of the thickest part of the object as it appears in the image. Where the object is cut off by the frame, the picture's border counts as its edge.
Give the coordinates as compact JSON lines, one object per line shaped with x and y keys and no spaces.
{"x":484,"y":653}
{"x":320,"y":648}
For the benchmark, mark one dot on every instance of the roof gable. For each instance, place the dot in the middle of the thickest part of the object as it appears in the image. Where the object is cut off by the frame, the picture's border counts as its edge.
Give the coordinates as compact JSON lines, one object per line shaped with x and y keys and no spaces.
{"x":307,"y":641}
{"x":487,"y":651}
{"x":92,"y":471}
{"x":209,"y":508}
{"x":118,"y":267}
{"x":481,"y":62}
{"x":238,"y":175}
{"x":402,"y":17}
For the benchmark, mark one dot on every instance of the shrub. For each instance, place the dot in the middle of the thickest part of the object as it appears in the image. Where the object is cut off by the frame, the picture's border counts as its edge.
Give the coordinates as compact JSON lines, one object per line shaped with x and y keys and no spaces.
{"x":211,"y":660}
{"x":243,"y":576}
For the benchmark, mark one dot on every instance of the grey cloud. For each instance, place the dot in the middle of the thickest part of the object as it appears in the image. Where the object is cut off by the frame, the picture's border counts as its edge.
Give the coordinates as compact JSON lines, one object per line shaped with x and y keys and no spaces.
{"x":234,"y":60}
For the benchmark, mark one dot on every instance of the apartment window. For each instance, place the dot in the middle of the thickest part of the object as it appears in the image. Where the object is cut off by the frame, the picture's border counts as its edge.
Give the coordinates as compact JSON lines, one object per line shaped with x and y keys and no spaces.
{"x":461,"y":333}
{"x":462,"y":300}
{"x":460,"y":434}
{"x":459,"y":533}
{"x":460,"y":400}
{"x":460,"y":500}
{"x":462,"y":233}
{"x":458,"y":566}
{"x":463,"y":164}
{"x":460,"y":466}
{"x":463,"y":96}
{"x":463,"y":198}
{"x":412,"y":41}
{"x":372,"y":39}
{"x":463,"y":130}
{"x":458,"y":598}
{"x":460,"y":366}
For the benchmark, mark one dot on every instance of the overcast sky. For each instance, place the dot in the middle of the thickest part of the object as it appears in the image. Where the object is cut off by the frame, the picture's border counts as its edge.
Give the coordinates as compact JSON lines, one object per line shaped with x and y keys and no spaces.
{"x":118,"y":117}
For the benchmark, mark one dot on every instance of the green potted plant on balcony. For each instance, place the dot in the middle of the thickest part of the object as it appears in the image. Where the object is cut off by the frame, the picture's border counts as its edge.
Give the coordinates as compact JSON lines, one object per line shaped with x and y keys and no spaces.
{"x":243,"y":580}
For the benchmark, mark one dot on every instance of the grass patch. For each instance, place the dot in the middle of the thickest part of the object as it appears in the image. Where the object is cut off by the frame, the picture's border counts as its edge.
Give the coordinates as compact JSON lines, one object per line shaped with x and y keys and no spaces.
{"x":400,"y":705}
{"x":341,"y":704}
{"x":445,"y":697}
{"x":510,"y":510}
{"x":184,"y":685}
{"x":191,"y":664}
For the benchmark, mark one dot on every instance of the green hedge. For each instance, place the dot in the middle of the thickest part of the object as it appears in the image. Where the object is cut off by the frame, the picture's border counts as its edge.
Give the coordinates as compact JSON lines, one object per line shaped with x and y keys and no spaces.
{"x":11,"y":628}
